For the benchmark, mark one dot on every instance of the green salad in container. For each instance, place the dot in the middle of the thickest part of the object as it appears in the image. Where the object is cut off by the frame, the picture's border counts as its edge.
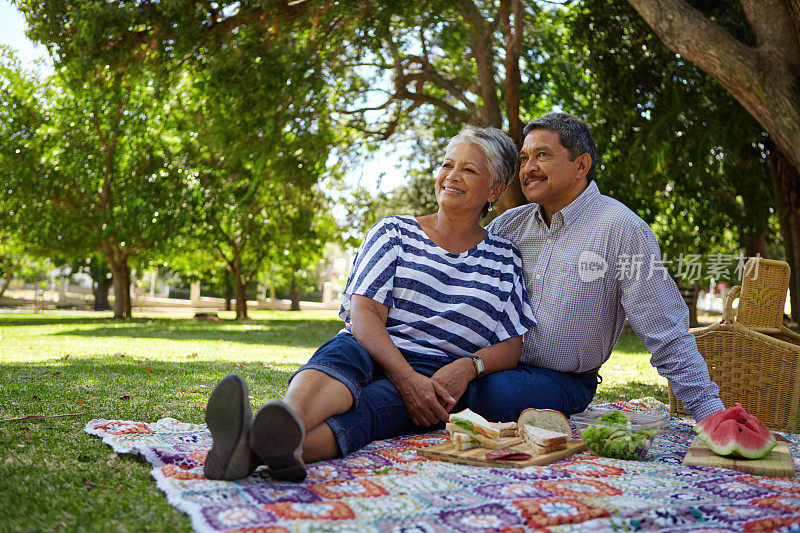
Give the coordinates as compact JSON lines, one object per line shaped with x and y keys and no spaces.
{"x":617,"y":434}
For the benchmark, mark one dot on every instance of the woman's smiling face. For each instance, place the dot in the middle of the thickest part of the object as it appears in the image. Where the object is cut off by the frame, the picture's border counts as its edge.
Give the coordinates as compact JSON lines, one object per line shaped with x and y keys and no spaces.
{"x":462,"y":182}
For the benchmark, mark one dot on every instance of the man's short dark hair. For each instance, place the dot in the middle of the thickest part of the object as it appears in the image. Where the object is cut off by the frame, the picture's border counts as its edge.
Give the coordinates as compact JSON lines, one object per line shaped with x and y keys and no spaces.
{"x":573,"y":133}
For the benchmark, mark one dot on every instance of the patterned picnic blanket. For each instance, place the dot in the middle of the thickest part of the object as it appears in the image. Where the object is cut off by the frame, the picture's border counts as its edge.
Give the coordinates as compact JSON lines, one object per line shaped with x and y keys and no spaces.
{"x":388,"y":487}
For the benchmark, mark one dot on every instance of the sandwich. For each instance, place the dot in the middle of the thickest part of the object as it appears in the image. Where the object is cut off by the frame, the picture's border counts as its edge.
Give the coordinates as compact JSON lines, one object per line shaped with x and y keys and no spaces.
{"x":544,"y":430}
{"x":543,"y":440}
{"x":475,"y":426}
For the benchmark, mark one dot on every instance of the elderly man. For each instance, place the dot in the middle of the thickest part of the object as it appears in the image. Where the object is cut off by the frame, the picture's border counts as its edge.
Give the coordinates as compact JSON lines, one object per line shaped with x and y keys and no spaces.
{"x":589,"y":262}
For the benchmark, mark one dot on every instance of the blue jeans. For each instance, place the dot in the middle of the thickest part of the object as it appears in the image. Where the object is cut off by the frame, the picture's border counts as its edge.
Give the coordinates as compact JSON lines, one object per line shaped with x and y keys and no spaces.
{"x":502,"y":396}
{"x":378,"y":411}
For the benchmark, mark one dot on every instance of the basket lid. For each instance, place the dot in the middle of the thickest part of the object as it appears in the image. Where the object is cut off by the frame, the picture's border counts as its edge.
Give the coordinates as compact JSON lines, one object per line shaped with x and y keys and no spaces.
{"x":763,"y":297}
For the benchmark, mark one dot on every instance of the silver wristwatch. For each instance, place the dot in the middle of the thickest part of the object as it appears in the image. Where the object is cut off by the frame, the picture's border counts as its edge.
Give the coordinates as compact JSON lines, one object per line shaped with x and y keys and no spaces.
{"x":479,"y":366}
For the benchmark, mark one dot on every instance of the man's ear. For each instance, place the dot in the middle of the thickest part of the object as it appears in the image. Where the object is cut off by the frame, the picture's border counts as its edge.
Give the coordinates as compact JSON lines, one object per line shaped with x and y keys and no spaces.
{"x":584,"y":164}
{"x":495,"y":191}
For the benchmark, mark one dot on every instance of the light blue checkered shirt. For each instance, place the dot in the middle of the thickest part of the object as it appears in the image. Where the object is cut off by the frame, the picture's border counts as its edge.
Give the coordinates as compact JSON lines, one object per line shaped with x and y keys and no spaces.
{"x":597,"y":264}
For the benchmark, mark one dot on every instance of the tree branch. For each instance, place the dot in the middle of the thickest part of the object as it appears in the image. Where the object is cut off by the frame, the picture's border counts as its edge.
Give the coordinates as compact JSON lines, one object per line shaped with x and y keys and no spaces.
{"x":161,"y":30}
{"x":363,"y":109}
{"x":401,"y":80}
{"x":481,"y":47}
{"x":764,"y":82}
{"x":775,"y":29}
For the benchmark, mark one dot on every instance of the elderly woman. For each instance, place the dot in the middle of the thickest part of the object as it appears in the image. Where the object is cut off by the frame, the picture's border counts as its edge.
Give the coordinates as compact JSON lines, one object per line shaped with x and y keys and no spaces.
{"x":432,"y":303}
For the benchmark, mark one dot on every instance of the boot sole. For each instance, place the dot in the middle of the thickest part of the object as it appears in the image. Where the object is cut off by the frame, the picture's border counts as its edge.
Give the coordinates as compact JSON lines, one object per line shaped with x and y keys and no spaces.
{"x":228,"y":415}
{"x":276,"y":438}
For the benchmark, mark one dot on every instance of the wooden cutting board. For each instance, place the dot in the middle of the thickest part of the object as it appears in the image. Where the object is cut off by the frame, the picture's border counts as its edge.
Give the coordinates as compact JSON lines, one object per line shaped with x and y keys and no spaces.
{"x":778,"y":463}
{"x":477,"y":456}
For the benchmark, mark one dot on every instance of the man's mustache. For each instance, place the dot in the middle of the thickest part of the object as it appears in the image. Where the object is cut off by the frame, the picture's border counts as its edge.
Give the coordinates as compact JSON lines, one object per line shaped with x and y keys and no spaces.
{"x":529,"y":177}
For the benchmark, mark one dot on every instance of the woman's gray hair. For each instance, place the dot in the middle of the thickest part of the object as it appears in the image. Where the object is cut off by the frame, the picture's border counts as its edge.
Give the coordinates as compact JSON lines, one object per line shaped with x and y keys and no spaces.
{"x":497,"y":147}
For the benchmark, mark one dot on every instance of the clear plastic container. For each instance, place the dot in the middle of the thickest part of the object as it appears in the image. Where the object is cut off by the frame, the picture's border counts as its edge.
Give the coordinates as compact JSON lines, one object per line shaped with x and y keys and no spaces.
{"x":607,"y":434}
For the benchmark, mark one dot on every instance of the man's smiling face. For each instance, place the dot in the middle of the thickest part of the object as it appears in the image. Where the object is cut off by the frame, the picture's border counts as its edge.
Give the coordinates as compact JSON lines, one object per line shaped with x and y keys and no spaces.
{"x":547,"y":174}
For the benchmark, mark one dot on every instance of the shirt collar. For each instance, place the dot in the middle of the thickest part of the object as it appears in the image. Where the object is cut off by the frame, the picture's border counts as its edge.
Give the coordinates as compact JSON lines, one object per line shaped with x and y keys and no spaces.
{"x":579,"y":204}
{"x":573,"y":210}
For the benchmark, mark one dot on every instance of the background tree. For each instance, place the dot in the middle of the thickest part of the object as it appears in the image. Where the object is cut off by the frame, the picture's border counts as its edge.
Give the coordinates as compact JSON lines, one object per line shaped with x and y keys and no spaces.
{"x":443,"y":65}
{"x":260,"y":130}
{"x":762,"y":71}
{"x":93,"y":168}
{"x":404,"y":70}
{"x":451,"y":63}
{"x":306,"y":225}
{"x":12,"y":260}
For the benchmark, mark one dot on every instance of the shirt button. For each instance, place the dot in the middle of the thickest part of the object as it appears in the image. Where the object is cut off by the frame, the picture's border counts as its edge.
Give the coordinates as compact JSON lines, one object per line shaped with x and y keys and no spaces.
{"x":538,"y":276}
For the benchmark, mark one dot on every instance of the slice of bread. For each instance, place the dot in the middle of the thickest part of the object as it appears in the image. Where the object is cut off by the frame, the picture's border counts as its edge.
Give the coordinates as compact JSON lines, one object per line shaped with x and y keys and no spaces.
{"x":544,"y":418}
{"x":541,"y":450}
{"x":543,"y":438}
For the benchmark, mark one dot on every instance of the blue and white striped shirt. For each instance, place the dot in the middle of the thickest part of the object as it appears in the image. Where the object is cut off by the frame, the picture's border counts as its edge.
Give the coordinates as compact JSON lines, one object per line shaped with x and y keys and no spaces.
{"x":441,"y":305}
{"x":597,"y":264}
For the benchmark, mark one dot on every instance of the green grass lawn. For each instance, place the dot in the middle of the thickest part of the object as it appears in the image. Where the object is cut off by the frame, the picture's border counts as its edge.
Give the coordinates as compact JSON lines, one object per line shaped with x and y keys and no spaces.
{"x":53,"y":476}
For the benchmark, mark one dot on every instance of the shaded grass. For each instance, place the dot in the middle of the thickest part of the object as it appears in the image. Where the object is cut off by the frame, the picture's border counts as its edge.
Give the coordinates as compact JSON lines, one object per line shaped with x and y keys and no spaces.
{"x":53,"y":476}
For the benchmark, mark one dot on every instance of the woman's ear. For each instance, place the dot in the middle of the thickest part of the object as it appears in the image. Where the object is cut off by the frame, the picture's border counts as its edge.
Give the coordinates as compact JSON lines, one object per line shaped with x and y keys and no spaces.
{"x":495,"y":191}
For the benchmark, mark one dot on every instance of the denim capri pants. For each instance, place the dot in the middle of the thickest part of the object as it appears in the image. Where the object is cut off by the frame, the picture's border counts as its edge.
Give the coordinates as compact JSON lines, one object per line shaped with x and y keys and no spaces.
{"x":378,"y":411}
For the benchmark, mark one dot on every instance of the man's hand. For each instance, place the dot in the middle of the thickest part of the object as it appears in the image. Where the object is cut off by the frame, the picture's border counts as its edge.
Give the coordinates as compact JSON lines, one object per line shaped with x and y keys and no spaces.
{"x":455,"y":377}
{"x":426,"y":400}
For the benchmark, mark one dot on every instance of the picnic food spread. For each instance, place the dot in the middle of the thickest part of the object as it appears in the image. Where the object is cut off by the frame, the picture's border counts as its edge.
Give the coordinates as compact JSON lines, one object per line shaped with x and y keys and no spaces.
{"x":544,"y":431}
{"x":734,"y":431}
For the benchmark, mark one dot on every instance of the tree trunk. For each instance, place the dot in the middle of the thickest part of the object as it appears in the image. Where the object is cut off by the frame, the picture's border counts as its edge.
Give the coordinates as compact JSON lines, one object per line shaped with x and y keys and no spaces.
{"x":236,"y":271}
{"x":512,"y":32}
{"x":122,"y":295}
{"x":101,"y":287}
{"x":240,"y":286}
{"x":228,"y":296}
{"x":294,"y":294}
{"x":690,"y":295}
{"x":128,"y":300}
{"x":756,"y":246}
{"x":786,"y":182}
{"x":102,"y":283}
{"x":4,"y":283}
{"x":121,"y":275}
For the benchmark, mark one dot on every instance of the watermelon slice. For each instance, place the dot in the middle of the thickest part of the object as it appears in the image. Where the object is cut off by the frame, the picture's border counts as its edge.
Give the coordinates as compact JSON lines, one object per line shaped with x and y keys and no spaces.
{"x":734,"y":431}
{"x":710,"y":422}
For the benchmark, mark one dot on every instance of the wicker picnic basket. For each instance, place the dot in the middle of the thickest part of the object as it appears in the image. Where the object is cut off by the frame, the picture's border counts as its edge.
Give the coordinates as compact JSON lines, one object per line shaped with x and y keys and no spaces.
{"x":751,"y":355}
